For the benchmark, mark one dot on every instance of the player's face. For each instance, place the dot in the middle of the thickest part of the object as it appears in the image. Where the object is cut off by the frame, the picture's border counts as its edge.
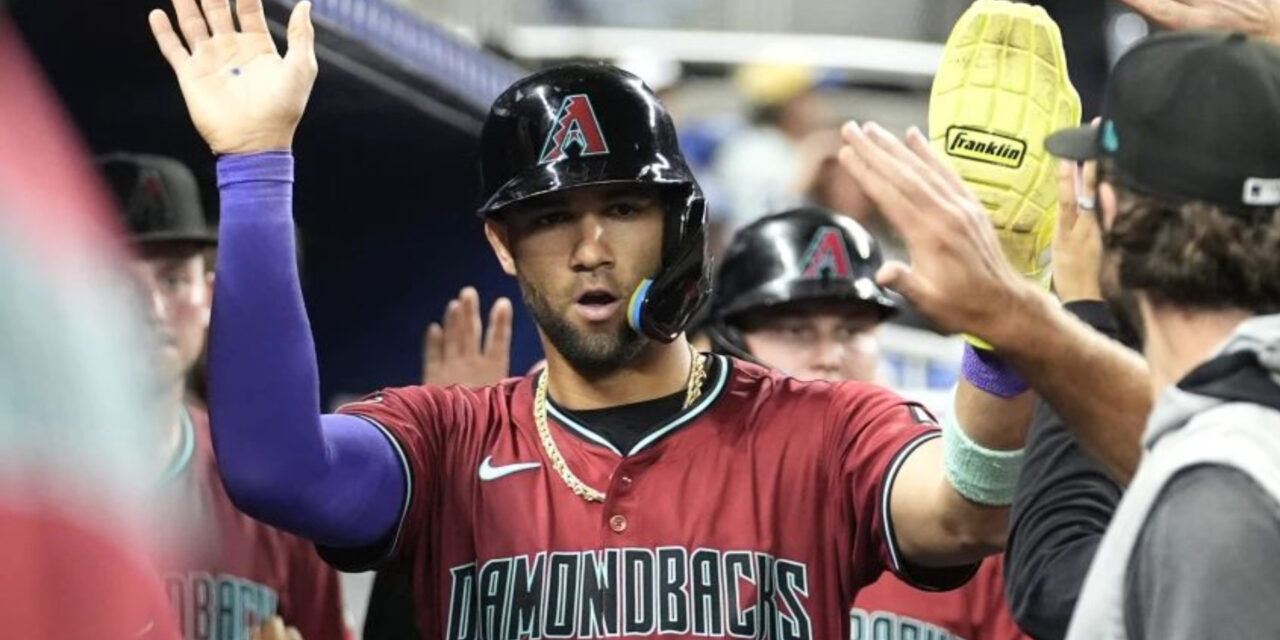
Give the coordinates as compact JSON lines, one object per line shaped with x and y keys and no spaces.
{"x":578,"y":256}
{"x":816,"y":341}
{"x":177,"y":292}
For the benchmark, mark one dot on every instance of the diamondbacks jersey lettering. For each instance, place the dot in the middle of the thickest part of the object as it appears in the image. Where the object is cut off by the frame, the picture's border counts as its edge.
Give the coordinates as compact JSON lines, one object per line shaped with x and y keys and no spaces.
{"x":889,"y":609}
{"x":631,"y":592}
{"x":228,"y":573}
{"x":757,"y":512}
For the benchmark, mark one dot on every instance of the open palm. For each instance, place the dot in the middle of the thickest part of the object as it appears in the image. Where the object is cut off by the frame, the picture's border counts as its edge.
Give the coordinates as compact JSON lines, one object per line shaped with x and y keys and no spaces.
{"x":243,"y":96}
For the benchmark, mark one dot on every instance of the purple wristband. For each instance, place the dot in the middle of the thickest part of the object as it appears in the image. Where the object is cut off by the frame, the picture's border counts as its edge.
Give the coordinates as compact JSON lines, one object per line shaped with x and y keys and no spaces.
{"x":985,"y":370}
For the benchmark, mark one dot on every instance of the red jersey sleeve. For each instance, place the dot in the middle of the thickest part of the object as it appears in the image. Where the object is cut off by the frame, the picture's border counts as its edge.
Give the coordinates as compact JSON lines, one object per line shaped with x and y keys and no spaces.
{"x":417,"y":421}
{"x":874,"y":431}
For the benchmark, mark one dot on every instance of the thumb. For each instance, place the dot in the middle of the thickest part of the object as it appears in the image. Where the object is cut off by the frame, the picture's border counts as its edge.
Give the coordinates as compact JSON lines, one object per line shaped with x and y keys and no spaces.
{"x":898,"y":276}
{"x":301,"y":35}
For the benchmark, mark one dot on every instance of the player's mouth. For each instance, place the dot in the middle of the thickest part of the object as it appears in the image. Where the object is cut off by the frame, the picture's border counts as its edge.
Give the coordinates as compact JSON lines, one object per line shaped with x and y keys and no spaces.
{"x":597,"y":305}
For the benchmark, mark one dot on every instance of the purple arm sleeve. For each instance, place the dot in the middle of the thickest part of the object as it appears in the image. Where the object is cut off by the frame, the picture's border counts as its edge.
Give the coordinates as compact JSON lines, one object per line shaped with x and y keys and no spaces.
{"x":334,"y":479}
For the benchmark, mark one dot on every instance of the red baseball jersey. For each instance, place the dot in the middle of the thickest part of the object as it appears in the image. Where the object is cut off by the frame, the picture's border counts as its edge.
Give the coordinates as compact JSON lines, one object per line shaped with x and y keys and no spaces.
{"x":757,"y":512}
{"x":891,"y":609}
{"x":227,"y":573}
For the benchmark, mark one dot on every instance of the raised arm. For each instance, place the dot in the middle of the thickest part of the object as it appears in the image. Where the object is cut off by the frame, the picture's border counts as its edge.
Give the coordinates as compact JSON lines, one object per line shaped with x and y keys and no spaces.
{"x":334,"y":479}
{"x":1100,"y":388}
{"x":946,"y":513}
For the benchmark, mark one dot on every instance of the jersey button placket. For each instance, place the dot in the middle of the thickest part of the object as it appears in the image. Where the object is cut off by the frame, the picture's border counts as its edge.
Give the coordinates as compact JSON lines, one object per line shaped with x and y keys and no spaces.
{"x":618,"y":489}
{"x":618,"y":523}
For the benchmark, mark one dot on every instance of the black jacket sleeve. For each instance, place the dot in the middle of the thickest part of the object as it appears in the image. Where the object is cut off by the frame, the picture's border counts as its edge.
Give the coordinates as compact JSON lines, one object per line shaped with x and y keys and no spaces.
{"x":1061,"y":508}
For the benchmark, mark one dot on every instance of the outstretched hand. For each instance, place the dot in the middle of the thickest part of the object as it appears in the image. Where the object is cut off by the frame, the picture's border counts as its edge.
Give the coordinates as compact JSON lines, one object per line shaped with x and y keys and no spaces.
{"x":958,"y":276}
{"x":454,"y":354}
{"x":1257,"y":17}
{"x":242,"y":95}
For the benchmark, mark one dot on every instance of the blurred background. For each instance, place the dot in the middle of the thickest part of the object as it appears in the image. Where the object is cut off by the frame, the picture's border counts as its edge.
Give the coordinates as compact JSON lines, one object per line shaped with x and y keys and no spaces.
{"x":387,"y":153}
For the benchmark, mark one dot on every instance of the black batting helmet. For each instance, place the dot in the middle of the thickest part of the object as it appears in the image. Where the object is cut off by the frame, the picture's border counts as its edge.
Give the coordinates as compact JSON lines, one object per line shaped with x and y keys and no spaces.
{"x":802,"y":254}
{"x":590,"y":124}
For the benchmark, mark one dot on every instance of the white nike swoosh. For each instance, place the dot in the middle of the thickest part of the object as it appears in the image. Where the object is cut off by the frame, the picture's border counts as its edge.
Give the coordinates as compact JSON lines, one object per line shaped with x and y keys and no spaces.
{"x":489,"y":472}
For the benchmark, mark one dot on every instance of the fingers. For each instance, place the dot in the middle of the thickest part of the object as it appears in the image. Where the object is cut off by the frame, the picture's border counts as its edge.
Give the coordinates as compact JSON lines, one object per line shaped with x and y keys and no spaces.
{"x":252,"y":17}
{"x":170,"y":46}
{"x":272,"y":629}
{"x":452,"y":323}
{"x":919,"y":145}
{"x":1068,"y":205}
{"x":191,"y":22}
{"x":432,"y":350}
{"x":497,"y":339}
{"x":1089,"y":181}
{"x":294,"y":634}
{"x":1169,"y":13}
{"x":931,"y":186}
{"x":857,"y":157}
{"x":218,"y":13}
{"x":301,"y":36}
{"x":898,"y":276}
{"x":470,"y":331}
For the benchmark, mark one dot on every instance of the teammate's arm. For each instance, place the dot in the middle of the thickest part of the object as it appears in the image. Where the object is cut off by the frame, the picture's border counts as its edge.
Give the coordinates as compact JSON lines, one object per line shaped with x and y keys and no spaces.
{"x":959,"y":279}
{"x":937,"y":526}
{"x":334,"y":479}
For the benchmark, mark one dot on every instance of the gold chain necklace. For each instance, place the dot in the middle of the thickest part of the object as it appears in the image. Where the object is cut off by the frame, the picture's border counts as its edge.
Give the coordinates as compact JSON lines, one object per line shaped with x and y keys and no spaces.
{"x":693,"y":389}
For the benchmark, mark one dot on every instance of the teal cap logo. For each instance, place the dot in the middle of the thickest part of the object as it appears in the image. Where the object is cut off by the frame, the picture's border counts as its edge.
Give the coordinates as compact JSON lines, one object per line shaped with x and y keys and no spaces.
{"x":1110,"y":141}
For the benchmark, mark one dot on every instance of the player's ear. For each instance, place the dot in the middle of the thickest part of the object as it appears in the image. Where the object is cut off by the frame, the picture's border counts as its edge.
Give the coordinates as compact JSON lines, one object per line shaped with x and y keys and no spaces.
{"x":496,"y":233}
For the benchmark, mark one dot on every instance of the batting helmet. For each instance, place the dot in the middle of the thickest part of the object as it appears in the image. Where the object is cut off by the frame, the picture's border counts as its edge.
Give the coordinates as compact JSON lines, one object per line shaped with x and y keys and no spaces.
{"x":577,"y":125}
{"x":805,"y":254}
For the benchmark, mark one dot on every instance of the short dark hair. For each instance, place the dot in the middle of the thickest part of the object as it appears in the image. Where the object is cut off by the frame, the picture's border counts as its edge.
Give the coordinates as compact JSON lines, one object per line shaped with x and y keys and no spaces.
{"x":1194,"y":254}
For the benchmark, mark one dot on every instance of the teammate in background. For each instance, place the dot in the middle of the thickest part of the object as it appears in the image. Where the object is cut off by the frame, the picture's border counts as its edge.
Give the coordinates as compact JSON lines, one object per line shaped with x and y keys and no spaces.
{"x":767,"y":500}
{"x":758,"y":167}
{"x":796,"y":291}
{"x":226,"y":574}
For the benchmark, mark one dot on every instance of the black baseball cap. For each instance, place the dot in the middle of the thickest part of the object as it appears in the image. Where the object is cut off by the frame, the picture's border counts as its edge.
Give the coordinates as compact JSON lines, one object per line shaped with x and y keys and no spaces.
{"x":1190,"y":115}
{"x":158,"y":198}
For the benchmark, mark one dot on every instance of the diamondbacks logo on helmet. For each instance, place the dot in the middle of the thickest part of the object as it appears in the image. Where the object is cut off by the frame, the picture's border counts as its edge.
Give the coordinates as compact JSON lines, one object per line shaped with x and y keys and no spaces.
{"x":576,"y":125}
{"x":827,"y":256}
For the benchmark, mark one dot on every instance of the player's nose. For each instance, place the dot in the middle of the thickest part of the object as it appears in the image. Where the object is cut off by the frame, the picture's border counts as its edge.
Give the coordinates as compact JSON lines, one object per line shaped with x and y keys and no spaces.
{"x":828,"y":357}
{"x":591,"y":250}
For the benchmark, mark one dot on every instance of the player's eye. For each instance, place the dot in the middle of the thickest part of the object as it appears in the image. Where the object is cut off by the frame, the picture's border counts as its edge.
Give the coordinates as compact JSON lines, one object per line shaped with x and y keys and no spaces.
{"x":550,"y":219}
{"x":174,"y":280}
{"x":626,"y":208}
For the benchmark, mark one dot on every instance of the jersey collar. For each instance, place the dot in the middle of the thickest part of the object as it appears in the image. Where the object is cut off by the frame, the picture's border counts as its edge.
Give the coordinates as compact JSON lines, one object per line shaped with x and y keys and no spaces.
{"x":675,"y":422}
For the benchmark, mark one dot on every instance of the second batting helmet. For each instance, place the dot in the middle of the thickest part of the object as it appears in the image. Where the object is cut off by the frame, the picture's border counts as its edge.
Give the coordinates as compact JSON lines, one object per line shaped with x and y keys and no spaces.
{"x":806,"y":254}
{"x":591,"y":124}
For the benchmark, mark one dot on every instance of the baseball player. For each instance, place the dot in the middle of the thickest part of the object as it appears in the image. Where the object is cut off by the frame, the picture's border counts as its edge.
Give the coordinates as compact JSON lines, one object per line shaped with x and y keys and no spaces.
{"x":226,"y":574}
{"x":796,"y":291}
{"x":634,"y":486}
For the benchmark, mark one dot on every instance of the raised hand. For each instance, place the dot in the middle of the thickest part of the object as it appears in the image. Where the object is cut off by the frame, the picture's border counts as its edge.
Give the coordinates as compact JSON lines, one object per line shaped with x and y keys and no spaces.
{"x":453,"y":354}
{"x":958,"y":275}
{"x":1258,"y":17}
{"x":241,"y":94}
{"x":1077,"y":247}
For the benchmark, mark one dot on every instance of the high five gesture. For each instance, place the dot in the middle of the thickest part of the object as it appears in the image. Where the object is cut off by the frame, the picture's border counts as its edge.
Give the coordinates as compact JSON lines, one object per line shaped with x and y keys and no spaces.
{"x":242,"y":95}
